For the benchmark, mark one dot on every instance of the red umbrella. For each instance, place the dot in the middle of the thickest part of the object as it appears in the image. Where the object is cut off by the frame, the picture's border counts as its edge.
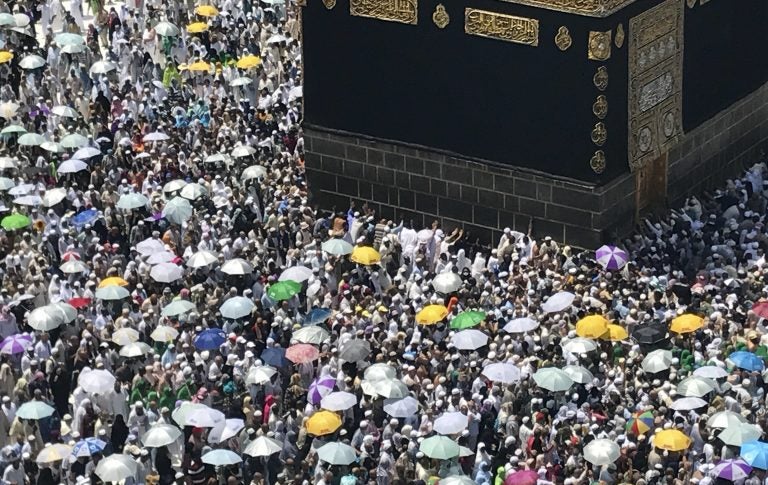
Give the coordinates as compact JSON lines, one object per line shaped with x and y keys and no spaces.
{"x":761,"y":309}
{"x":80,"y":302}
{"x":302,"y":353}
{"x":70,"y":255}
{"x":523,"y":477}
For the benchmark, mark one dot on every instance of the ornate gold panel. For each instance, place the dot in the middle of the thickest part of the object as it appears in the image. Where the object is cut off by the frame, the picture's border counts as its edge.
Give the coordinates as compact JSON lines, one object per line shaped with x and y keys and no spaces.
{"x":440,"y":17}
{"x":619,"y":38}
{"x":404,"y":11}
{"x":563,"y":38}
{"x":520,"y":30}
{"x":591,"y":8}
{"x":599,"y":48}
{"x":655,"y":82}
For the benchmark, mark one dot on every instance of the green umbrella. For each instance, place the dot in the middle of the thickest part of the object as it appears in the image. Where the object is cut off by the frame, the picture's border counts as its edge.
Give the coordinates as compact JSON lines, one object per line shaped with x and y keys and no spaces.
{"x":553,"y":379}
{"x":112,"y":293}
{"x":177,"y":307}
{"x":13,"y":129}
{"x":467,"y":319}
{"x":15,"y":221}
{"x":440,"y":448}
{"x":338,"y":247}
{"x":283,"y":290}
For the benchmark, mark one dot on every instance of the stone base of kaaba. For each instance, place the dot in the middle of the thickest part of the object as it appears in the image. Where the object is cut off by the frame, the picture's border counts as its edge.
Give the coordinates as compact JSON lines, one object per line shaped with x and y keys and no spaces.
{"x":410,"y":182}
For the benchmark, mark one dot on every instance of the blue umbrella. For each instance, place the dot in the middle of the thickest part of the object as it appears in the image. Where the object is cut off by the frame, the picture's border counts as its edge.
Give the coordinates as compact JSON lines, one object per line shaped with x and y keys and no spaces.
{"x":755,"y":453}
{"x":747,"y":361}
{"x":317,"y":315}
{"x":88,"y":447}
{"x":274,"y":357}
{"x":210,"y":339}
{"x":85,"y":217}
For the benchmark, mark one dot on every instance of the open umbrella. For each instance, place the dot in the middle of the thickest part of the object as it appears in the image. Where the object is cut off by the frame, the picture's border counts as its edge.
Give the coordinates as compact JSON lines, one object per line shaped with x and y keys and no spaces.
{"x":15,"y":344}
{"x":274,"y":357}
{"x":298,"y":274}
{"x":32,"y":62}
{"x":451,"y":423}
{"x":747,"y":361}
{"x":237,"y":307}
{"x":319,"y":388}
{"x":740,"y":434}
{"x":197,"y":27}
{"x":365,"y":255}
{"x":640,"y":423}
{"x":125,"y":336}
{"x":243,"y":151}
{"x":302,"y":353}
{"x":177,"y":210}
{"x":201,"y":259}
{"x":592,"y":326}
{"x":210,"y":339}
{"x":467,"y":319}
{"x":650,"y":334}
{"x":439,"y":448}
{"x":558,"y":302}
{"x":725,"y":419}
{"x":260,"y":375}
{"x":135,"y":349}
{"x":611,"y":257}
{"x":65,"y":111}
{"x":226,"y":430}
{"x":733,"y":470}
{"x":447,"y":282}
{"x":696,"y":386}
{"x":337,"y":454}
{"x":31,"y":139}
{"x":166,"y":272}
{"x":755,"y":453}
{"x":552,"y":379}
{"x":522,"y":477}
{"x":164,"y":333}
{"x":502,"y":372}
{"x":167,"y":29}
{"x":263,"y":446}
{"x":388,"y":388}
{"x":204,"y":417}
{"x":221,"y":457}
{"x":72,"y":166}
{"x":615,"y":333}
{"x":578,"y":374}
{"x":578,"y":345}
{"x":132,"y":201}
{"x":711,"y":372}
{"x":657,"y":361}
{"x":116,"y":467}
{"x":401,"y":408}
{"x":379,"y":372}
{"x":52,"y":453}
{"x":88,"y":447}
{"x":111,"y":293}
{"x":45,"y":318}
{"x":102,"y":67}
{"x":470,"y":339}
{"x":686,"y":323}
{"x":601,"y":452}
{"x":160,"y":435}
{"x":322,"y":423}
{"x":431,"y":314}
{"x":193,"y":191}
{"x":671,"y":440}
{"x":97,"y":381}
{"x":67,"y":38}
{"x":15,"y":221}
{"x":354,"y":350}
{"x":207,"y":11}
{"x":248,"y":62}
{"x":283,"y":290}
{"x":237,"y":267}
{"x":34,"y":410}
{"x":337,"y":247}
{"x":74,"y":140}
{"x":86,"y":153}
{"x":177,"y":307}
{"x":688,"y":404}
{"x":338,"y":401}
{"x":521,"y":325}
{"x":240,"y":81}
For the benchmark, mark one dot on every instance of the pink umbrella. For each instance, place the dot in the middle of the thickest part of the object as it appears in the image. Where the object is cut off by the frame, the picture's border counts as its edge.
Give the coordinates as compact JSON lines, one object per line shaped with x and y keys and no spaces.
{"x":302,"y":353}
{"x":523,"y":477}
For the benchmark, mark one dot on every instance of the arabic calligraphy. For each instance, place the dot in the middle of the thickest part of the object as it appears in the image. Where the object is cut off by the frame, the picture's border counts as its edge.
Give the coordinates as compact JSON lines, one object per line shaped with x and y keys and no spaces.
{"x":591,"y":8}
{"x":494,"y":25}
{"x":403,"y":11}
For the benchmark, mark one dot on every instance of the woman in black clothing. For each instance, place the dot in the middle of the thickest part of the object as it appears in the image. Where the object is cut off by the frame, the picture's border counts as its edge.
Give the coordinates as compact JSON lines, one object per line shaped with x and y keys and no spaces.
{"x":163,"y":466}
{"x":119,"y":433}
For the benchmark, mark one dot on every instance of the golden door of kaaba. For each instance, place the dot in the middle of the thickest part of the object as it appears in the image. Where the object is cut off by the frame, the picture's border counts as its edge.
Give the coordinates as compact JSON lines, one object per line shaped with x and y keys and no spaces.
{"x":651,"y":186}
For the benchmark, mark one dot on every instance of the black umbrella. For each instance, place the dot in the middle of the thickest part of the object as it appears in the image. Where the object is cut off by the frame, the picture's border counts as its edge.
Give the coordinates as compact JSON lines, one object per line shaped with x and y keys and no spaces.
{"x":650,"y":334}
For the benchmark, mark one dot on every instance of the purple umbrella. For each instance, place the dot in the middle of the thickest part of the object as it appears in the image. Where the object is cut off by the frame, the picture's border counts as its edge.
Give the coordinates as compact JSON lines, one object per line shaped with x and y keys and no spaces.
{"x":732,"y":470}
{"x":15,"y":344}
{"x":611,"y":257}
{"x":320,"y":387}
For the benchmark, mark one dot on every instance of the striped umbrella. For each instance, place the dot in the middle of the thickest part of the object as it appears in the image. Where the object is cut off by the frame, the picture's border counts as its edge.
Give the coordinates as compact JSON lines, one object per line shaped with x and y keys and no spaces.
{"x":735,"y":469}
{"x":320,"y":387}
{"x":611,"y":257}
{"x":88,"y":447}
{"x":640,"y":423}
{"x":15,"y":344}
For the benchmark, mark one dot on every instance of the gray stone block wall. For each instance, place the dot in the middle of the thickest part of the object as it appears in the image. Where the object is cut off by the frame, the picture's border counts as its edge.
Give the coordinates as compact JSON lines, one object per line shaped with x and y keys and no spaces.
{"x":405,"y":182}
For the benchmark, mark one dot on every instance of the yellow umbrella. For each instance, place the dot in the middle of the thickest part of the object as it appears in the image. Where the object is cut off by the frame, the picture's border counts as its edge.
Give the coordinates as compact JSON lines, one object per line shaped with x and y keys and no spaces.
{"x":593,"y":326}
{"x":248,"y":62}
{"x":322,"y":423}
{"x":113,"y":281}
{"x":671,"y":440}
{"x":431,"y":314}
{"x":365,"y":255}
{"x":197,"y":27}
{"x":686,"y":323}
{"x":615,"y":333}
{"x":199,"y":66}
{"x":207,"y":11}
{"x":5,"y":56}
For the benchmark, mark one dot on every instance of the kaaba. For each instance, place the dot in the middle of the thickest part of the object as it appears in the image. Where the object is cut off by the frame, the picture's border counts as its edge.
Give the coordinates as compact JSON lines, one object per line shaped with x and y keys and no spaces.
{"x":570,"y":117}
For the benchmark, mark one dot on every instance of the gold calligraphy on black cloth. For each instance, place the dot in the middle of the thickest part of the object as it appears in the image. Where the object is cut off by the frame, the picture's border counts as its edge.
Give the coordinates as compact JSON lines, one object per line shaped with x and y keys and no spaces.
{"x":591,"y":8}
{"x":492,"y":25}
{"x":404,"y":11}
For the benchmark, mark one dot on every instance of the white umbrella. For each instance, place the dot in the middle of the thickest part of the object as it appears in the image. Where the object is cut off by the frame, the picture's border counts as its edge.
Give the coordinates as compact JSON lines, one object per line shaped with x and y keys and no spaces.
{"x":22,"y":20}
{"x":167,"y":29}
{"x":113,"y":292}
{"x":502,"y":372}
{"x":470,"y":339}
{"x":725,"y":419}
{"x":201,"y":259}
{"x":31,"y":140}
{"x":553,"y":379}
{"x":447,"y":282}
{"x":150,"y":246}
{"x":226,"y":430}
{"x":8,"y":110}
{"x":260,"y":375}
{"x":161,"y":257}
{"x":8,"y":163}
{"x":193,"y":191}
{"x":74,"y":266}
{"x":236,"y":307}
{"x":156,"y":136}
{"x":6,"y":183}
{"x":688,"y":403}
{"x":601,"y":452}
{"x":204,"y":417}
{"x":389,"y":388}
{"x":337,"y":453}
{"x":521,"y":325}
{"x":65,"y":111}
{"x":241,"y":81}
{"x":263,"y":446}
{"x":295,"y":93}
{"x":221,"y":458}
{"x":13,"y":130}
{"x":174,"y":185}
{"x":696,"y":386}
{"x":558,"y":302}
{"x":711,"y":372}
{"x":657,"y":361}
{"x":116,"y":467}
{"x":236,"y":267}
{"x":29,"y":200}
{"x":45,"y":318}
{"x":578,"y":374}
{"x":186,"y":408}
{"x":54,"y":196}
{"x":298,"y":274}
{"x":178,"y":210}
{"x":740,"y":434}
{"x":72,"y":166}
{"x":32,"y":62}
{"x":218,"y":157}
{"x":160,"y":435}
{"x":276,"y":39}
{"x":52,"y":453}
{"x":135,"y":349}
{"x":125,"y":336}
{"x":132,"y":201}
{"x":86,"y":152}
{"x":74,"y":140}
{"x":164,"y":333}
{"x":401,"y":408}
{"x":21,"y":189}
{"x":378,"y":372}
{"x":102,"y":67}
{"x":354,"y":350}
{"x":253,"y":172}
{"x":338,"y":401}
{"x":243,"y":151}
{"x":97,"y":381}
{"x":312,"y":334}
{"x":166,"y":273}
{"x":451,"y":423}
